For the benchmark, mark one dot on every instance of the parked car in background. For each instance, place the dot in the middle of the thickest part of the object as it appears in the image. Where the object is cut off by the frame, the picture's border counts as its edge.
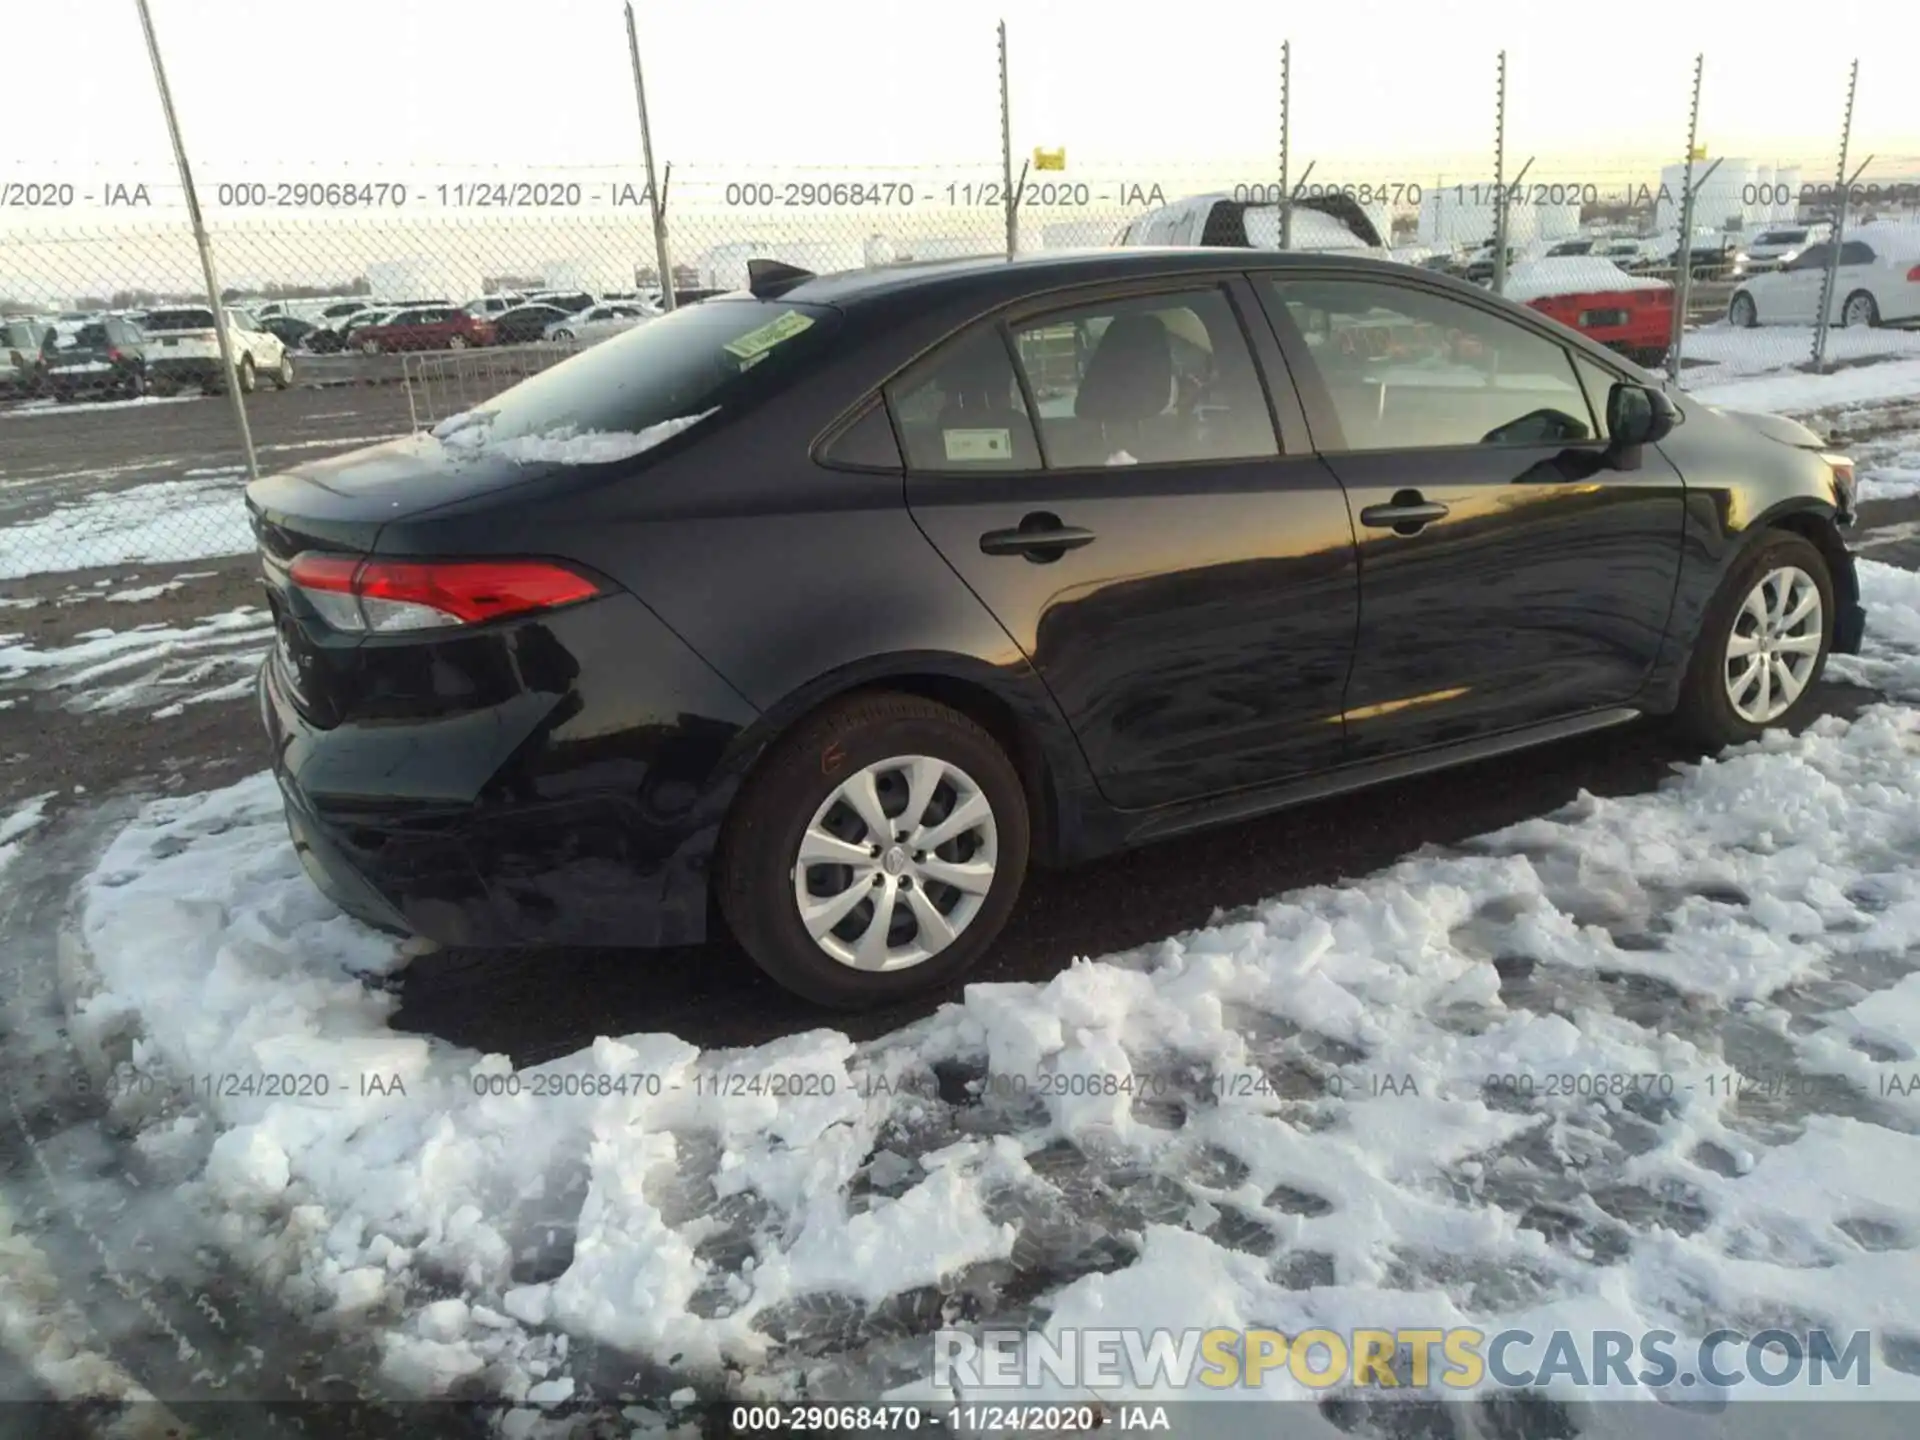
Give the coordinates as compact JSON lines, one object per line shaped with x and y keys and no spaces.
{"x":1631,"y":314}
{"x":571,"y":301}
{"x":1771,"y":249}
{"x":330,"y":338}
{"x":525,"y":691}
{"x":290,"y":331}
{"x":488,"y":307}
{"x":21,"y":342}
{"x":1320,"y":223}
{"x":103,"y":358}
{"x":597,"y":322}
{"x":1877,"y":282}
{"x":439,"y":327}
{"x":1579,"y":245}
{"x":183,"y":350}
{"x":525,"y":323}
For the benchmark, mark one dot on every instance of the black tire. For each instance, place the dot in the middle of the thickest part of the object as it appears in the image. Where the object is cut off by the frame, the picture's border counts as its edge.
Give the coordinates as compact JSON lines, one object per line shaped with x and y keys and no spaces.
{"x":1873,"y":308}
{"x":248,"y":381}
{"x":1742,"y":313}
{"x":754,"y":873}
{"x":1705,"y":712}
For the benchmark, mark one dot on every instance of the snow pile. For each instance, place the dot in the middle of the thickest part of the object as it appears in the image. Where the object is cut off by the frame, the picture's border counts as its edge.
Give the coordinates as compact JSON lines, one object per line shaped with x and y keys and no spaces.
{"x":167,"y":520}
{"x":1777,"y":383}
{"x":25,"y":817}
{"x":211,"y":659}
{"x":470,"y":434}
{"x":1337,"y":1108}
{"x":30,"y":408}
{"x":1572,"y":275}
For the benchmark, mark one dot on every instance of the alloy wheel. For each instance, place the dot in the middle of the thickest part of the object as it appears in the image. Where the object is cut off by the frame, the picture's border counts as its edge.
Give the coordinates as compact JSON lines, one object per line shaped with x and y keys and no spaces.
{"x":1774,"y":646}
{"x":896,"y":863}
{"x":1859,"y":311}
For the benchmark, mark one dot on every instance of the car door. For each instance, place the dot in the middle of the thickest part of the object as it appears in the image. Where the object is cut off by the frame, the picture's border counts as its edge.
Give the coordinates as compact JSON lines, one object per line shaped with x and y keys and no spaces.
{"x":1107,"y":477}
{"x":1792,"y":295}
{"x":1508,"y":576}
{"x":1857,"y":273}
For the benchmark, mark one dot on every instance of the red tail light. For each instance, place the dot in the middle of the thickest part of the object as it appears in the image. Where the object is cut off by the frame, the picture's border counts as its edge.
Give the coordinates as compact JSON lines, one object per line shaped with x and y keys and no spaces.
{"x":113,"y":354}
{"x":1914,"y":274}
{"x":388,"y":596}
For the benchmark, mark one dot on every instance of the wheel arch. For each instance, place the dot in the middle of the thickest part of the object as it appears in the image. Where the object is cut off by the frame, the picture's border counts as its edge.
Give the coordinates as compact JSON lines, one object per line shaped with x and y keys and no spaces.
{"x":1816,"y":525}
{"x":1007,"y":701}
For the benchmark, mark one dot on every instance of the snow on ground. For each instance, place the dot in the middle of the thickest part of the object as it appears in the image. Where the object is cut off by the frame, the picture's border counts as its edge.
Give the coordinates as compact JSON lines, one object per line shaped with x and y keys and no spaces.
{"x":1795,"y":392}
{"x":156,"y":666}
{"x":168,"y":520}
{"x":25,"y":817}
{"x":1641,"y":1063}
{"x":1733,"y":352}
{"x":27,"y":409}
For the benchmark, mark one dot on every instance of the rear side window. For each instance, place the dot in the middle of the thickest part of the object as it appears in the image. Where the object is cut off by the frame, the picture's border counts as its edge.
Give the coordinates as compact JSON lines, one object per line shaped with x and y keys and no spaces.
{"x":963,"y":409}
{"x":726,"y":357}
{"x":180,"y":320}
{"x":1153,"y":379}
{"x":1856,"y":252}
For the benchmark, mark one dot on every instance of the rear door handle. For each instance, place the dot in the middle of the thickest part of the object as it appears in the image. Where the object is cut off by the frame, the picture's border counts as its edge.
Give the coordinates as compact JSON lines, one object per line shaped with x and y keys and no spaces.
{"x":1040,"y":537}
{"x":1407,"y":513}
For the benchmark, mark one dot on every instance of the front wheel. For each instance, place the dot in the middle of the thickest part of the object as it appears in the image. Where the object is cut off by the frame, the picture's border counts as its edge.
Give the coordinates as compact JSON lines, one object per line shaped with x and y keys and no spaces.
{"x":562,"y":335}
{"x":283,"y":378}
{"x":1763,"y":645}
{"x":248,"y":380}
{"x":456,"y":342}
{"x":876,"y":853}
{"x":1742,"y":312}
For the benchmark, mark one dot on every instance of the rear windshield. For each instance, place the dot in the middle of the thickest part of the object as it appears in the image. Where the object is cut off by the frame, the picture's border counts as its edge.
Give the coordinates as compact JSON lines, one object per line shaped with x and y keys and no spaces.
{"x":715,"y":356}
{"x":180,"y":320}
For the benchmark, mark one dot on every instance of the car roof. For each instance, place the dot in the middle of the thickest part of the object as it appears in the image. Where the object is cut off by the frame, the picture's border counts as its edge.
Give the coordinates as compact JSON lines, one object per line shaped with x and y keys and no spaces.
{"x":997,"y":275}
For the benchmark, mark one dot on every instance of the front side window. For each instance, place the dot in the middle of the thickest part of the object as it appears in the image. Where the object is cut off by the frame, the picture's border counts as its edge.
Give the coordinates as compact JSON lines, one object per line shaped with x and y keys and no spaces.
{"x":1407,"y":369}
{"x":1152,"y":379}
{"x":1814,"y":257}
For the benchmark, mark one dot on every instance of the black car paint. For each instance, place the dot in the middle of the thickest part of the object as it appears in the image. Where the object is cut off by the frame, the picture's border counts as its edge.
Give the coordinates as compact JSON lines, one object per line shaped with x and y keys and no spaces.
{"x":567,"y":777}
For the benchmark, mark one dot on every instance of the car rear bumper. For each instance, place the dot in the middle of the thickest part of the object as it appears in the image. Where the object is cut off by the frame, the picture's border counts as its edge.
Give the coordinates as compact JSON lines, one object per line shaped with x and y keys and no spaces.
{"x":536,"y":821}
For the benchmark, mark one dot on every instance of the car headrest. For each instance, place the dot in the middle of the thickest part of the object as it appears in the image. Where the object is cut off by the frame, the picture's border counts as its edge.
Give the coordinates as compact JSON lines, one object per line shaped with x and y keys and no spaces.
{"x":1130,"y":376}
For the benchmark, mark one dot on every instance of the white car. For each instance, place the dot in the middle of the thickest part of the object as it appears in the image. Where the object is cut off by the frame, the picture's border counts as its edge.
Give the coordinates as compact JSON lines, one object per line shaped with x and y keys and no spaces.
{"x":183,"y":348}
{"x":597,"y":322}
{"x":1877,"y":282}
{"x":1771,"y":249}
{"x":489,"y":307}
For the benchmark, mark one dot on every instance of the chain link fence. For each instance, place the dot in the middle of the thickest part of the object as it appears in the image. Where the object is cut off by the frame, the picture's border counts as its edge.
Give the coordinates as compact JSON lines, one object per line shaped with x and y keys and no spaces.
{"x":418,"y":291}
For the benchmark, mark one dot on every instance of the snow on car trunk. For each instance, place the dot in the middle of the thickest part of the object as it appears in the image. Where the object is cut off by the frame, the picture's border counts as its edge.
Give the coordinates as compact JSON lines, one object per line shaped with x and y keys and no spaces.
{"x":1496,"y":1085}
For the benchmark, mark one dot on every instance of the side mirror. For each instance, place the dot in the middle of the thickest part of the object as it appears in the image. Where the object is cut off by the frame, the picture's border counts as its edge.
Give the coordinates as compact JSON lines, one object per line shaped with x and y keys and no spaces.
{"x":1637,"y":415}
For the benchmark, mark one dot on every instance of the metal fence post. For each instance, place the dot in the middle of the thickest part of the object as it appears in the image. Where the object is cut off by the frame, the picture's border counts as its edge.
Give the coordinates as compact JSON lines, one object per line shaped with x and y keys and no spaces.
{"x":207,"y":267}
{"x":1683,"y":255}
{"x":656,"y":202}
{"x":1500,"y":177}
{"x":1286,"y":106}
{"x":1832,"y":276}
{"x":1006,"y":152}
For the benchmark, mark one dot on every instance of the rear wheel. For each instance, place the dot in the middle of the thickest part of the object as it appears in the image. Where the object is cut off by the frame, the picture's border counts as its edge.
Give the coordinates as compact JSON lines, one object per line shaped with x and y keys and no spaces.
{"x":456,"y":342}
{"x":1763,"y":645}
{"x":136,"y":384}
{"x":876,"y":853}
{"x":283,"y":377}
{"x":563,"y":335}
{"x":1742,"y":312}
{"x":1860,"y":309}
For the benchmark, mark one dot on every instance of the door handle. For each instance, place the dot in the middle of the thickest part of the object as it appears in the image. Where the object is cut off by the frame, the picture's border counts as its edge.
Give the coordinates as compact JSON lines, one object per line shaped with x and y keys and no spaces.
{"x":1040,"y":537}
{"x":1408,"y":513}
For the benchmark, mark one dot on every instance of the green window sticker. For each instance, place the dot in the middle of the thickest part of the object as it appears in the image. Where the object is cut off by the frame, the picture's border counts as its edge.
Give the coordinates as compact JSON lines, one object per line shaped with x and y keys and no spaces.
{"x":978,"y":445}
{"x":755,"y":343}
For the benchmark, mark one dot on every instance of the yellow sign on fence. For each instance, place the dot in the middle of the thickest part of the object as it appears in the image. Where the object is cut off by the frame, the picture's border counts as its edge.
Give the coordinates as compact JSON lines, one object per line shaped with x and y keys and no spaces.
{"x":1049,"y":159}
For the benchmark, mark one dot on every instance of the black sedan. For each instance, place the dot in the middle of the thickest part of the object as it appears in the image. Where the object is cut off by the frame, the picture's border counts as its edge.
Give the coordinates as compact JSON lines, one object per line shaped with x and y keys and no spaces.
{"x":524,"y":323}
{"x":102,"y":359}
{"x":831,"y":607}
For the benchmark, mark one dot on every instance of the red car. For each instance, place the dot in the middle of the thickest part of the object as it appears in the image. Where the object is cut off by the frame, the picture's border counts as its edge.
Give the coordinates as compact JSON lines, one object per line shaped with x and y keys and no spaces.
{"x":424,"y":328}
{"x":1629,"y":313}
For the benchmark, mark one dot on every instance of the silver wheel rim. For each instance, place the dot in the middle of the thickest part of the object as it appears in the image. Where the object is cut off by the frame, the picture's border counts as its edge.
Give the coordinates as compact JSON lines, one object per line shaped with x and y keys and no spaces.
{"x":1774,"y":645}
{"x":1858,"y":311}
{"x":896,"y":863}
